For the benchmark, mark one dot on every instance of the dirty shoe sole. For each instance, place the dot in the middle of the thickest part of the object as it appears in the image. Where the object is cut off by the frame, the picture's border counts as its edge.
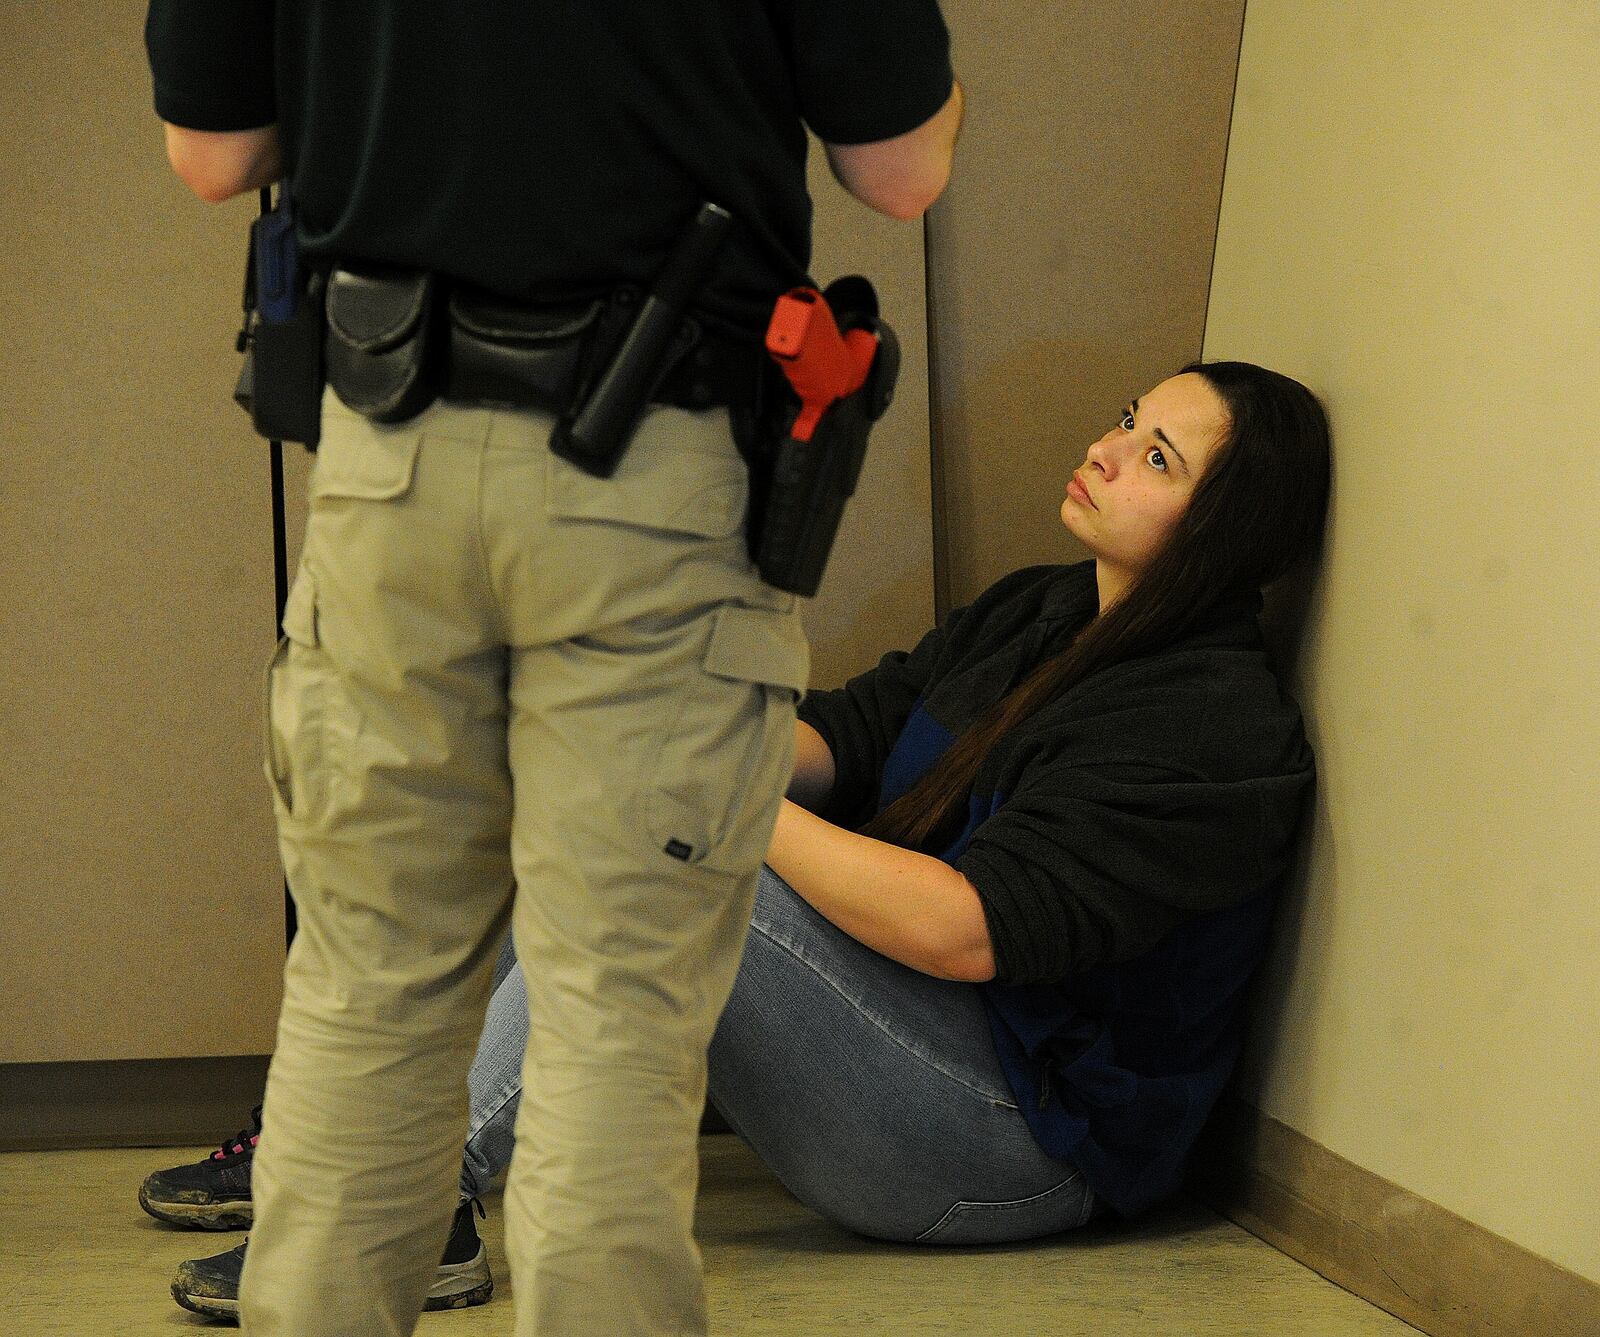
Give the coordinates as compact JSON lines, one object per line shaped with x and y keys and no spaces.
{"x":455,"y":1286}
{"x":458,"y":1285}
{"x":212,"y":1306}
{"x":238,"y":1214}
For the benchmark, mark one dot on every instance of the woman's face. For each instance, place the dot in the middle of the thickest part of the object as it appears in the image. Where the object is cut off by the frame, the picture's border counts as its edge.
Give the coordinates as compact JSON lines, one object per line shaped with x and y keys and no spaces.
{"x":1138,"y":477}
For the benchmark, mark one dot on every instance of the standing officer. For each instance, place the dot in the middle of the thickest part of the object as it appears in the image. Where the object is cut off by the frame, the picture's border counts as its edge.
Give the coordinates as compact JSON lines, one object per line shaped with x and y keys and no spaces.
{"x":510,"y":688}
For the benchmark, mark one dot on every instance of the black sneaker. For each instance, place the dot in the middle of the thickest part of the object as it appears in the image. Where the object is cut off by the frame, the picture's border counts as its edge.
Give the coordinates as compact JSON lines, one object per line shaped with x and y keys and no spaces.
{"x":210,"y":1286}
{"x":213,"y":1194}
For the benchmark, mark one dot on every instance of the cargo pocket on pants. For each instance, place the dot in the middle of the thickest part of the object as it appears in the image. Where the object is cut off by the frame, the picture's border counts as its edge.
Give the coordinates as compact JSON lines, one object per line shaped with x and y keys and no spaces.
{"x":294,"y":708}
{"x":364,"y":461}
{"x":728,"y":754}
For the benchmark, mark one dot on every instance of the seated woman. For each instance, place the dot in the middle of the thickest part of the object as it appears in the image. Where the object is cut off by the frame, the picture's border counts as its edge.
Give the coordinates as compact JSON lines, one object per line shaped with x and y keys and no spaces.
{"x":1025,"y":871}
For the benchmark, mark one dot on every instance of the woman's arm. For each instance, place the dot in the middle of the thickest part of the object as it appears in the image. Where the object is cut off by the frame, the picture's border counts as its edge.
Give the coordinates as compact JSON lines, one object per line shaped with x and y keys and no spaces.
{"x":910,"y":907}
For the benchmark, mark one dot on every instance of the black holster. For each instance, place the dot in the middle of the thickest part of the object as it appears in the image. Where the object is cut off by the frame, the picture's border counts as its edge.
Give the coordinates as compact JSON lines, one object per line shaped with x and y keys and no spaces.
{"x":799,"y":488}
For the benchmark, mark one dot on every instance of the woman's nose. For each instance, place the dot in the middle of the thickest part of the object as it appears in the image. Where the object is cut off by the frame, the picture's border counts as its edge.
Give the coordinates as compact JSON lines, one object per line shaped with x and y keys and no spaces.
{"x":1103,"y":456}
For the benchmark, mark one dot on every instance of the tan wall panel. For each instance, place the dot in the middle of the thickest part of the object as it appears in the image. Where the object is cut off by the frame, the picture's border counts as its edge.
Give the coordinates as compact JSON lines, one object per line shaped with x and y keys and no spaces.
{"x":137,"y":858}
{"x":1411,"y":223}
{"x":1442,"y":1274}
{"x":1071,"y":254}
{"x":138,"y":868}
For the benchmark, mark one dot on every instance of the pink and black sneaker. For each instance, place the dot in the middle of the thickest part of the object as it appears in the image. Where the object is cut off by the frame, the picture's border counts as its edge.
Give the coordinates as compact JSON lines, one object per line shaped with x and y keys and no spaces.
{"x":213,"y":1194}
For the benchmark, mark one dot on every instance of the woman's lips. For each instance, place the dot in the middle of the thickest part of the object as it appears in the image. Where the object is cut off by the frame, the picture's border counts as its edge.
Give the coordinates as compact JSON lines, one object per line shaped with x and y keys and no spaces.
{"x":1077,"y":491}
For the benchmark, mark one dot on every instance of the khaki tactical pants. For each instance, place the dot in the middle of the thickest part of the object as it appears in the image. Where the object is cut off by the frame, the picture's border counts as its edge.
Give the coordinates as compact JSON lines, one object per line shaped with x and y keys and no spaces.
{"x":500,"y":673}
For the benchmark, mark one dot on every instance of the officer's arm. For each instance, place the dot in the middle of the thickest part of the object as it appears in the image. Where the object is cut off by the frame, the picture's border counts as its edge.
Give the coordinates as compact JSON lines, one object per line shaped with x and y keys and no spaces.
{"x":217,"y":165}
{"x":902,"y":176}
{"x":813,"y":777}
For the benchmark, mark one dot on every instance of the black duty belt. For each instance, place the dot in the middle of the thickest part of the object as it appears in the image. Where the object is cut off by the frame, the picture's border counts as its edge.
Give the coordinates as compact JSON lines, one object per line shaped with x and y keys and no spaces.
{"x":498,"y":350}
{"x":392,"y":341}
{"x":393,"y":346}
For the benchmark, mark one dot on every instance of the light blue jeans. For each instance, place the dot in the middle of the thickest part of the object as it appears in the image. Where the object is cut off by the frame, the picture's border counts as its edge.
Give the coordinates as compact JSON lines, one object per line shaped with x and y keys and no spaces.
{"x":870,"y":1089}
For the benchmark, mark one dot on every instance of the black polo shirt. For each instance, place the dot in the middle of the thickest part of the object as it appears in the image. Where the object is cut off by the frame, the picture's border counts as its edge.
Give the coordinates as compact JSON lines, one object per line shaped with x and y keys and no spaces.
{"x":552,"y":150}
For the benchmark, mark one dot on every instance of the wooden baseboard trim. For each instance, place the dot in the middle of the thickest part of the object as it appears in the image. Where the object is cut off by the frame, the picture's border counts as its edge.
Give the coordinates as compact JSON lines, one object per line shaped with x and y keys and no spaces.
{"x":127,"y":1103}
{"x":1430,"y":1267}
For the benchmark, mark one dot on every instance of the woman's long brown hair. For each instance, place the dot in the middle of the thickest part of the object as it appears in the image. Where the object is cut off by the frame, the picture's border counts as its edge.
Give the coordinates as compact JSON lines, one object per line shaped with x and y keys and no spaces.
{"x":1257,"y":512}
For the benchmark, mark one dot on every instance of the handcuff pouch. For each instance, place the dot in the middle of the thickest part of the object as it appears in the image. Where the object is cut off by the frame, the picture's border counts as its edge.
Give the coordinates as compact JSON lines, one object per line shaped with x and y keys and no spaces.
{"x":380,"y":354}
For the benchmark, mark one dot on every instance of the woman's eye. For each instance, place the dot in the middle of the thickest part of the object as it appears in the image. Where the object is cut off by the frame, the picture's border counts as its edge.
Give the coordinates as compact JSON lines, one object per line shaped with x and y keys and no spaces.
{"x":1127,"y":422}
{"x":1158,"y":461}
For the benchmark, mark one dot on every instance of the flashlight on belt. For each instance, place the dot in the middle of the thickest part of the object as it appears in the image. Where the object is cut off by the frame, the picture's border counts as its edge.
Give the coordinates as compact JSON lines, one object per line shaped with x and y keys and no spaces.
{"x":596,"y":432}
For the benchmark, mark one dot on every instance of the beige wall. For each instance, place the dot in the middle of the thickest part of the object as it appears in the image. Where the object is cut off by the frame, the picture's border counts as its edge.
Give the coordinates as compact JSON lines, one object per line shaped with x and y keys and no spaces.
{"x":1411,"y":223}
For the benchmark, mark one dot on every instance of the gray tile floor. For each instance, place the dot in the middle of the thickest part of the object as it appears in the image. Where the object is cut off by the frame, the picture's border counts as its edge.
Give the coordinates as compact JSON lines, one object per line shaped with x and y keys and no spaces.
{"x":78,"y":1257}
